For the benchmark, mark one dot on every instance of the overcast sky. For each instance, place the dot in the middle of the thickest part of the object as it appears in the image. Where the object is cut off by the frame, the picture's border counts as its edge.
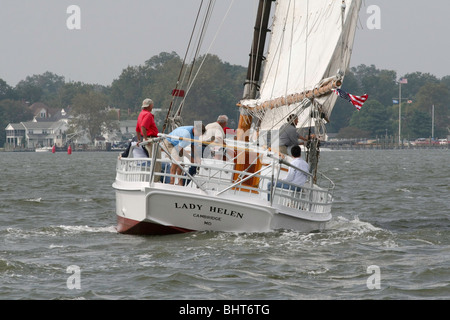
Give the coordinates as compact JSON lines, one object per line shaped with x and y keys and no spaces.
{"x":403,"y":35}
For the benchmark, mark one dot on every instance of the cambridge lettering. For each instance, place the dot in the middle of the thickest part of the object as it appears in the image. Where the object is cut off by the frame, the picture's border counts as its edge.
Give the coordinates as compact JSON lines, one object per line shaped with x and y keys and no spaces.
{"x":199,"y":207}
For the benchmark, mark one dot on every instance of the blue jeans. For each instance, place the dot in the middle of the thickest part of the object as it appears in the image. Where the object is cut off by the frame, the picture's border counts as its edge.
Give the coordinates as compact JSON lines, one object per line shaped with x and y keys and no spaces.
{"x":283,"y":186}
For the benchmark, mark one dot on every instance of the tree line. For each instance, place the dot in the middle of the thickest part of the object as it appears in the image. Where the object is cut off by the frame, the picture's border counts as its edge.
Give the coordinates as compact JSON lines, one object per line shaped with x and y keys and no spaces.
{"x":219,"y":86}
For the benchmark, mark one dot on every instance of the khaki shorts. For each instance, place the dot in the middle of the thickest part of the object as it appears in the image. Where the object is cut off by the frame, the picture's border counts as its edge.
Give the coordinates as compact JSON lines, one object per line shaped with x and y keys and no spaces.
{"x":172,"y":151}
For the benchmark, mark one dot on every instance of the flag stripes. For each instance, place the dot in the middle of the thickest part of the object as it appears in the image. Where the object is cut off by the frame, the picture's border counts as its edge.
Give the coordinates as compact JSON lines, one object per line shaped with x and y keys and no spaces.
{"x":357,"y":101}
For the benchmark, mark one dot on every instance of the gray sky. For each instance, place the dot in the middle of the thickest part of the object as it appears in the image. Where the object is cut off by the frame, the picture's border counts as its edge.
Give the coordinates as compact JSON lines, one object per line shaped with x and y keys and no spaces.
{"x":412,"y":36}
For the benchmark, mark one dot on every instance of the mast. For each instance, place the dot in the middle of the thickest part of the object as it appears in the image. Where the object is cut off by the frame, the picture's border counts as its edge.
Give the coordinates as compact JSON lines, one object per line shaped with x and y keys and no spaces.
{"x":255,"y":63}
{"x":251,"y":88}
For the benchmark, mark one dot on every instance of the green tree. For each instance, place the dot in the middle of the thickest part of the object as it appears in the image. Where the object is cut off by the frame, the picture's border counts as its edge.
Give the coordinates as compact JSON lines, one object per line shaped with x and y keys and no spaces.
{"x":126,"y":91}
{"x":417,"y":127}
{"x":416,"y":81}
{"x":39,"y":88}
{"x":90,"y":114}
{"x":164,"y":71}
{"x":374,"y":117}
{"x":379,"y":84}
{"x":218,"y":87}
{"x":6,"y":91}
{"x":437,"y":94}
{"x":68,"y":91}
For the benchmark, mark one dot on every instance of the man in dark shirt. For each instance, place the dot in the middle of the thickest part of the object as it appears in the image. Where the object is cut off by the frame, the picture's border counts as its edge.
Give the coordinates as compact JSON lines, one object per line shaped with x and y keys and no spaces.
{"x":289,"y":136}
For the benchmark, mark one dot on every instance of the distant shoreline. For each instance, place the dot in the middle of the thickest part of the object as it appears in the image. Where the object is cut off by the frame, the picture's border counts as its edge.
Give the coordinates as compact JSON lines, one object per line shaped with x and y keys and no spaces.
{"x":324,"y":147}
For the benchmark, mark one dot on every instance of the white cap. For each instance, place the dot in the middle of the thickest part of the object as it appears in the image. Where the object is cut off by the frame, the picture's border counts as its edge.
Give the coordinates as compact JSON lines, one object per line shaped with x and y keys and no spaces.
{"x":146,"y":103}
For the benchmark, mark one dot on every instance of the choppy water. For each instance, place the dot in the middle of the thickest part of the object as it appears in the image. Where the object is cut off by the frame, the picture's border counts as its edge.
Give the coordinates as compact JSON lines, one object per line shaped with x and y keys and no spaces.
{"x":389,"y":238}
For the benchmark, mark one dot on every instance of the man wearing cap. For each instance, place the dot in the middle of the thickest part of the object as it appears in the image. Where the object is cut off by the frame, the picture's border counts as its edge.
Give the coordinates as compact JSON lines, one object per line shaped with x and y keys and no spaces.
{"x":289,"y":136}
{"x":146,"y":128}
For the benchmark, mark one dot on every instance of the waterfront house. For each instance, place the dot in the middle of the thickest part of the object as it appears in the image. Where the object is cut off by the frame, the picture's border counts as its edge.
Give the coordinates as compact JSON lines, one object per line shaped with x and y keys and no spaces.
{"x":35,"y":134}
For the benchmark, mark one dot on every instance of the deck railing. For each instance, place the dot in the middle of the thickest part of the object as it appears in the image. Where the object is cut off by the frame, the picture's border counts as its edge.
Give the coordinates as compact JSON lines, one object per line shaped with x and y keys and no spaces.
{"x":216,"y":178}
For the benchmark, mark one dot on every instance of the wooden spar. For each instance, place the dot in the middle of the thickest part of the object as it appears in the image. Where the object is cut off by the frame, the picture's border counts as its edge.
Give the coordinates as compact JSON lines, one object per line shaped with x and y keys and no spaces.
{"x":245,"y":122}
{"x":296,"y":97}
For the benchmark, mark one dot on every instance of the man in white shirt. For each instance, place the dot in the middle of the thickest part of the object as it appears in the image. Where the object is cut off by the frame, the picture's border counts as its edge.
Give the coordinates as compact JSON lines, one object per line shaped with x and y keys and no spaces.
{"x":215,"y":130}
{"x":295,"y":176}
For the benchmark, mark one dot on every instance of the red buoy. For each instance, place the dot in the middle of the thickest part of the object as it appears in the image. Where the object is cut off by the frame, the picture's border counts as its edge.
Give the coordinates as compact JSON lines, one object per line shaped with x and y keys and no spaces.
{"x":54,"y":149}
{"x":69,"y":150}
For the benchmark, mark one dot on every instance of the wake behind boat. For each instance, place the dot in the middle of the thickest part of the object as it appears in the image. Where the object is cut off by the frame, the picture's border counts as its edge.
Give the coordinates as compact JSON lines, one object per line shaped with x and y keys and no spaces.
{"x":309,"y":50}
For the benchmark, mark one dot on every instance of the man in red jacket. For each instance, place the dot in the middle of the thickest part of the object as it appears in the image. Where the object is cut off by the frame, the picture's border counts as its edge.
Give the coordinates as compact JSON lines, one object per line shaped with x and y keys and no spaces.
{"x":146,"y":128}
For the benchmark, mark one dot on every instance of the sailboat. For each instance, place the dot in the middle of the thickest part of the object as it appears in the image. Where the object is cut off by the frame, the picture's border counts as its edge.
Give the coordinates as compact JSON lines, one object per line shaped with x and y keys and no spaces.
{"x":305,"y":59}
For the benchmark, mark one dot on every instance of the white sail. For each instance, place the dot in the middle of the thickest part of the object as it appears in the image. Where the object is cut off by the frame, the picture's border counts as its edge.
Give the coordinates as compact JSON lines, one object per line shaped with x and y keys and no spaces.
{"x":311,"y":41}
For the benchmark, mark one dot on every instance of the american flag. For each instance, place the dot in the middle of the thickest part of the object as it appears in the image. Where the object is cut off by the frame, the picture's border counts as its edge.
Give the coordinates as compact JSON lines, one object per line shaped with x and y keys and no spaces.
{"x":357,"y":101}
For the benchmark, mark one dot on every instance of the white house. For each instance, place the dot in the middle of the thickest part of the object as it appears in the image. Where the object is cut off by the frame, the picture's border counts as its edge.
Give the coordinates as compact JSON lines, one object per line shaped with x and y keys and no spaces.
{"x":35,"y":134}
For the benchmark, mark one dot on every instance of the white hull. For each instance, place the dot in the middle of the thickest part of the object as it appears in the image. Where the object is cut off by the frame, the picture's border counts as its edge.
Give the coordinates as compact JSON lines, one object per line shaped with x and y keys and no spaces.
{"x":159,"y":208}
{"x":183,"y":212}
{"x":44,"y":149}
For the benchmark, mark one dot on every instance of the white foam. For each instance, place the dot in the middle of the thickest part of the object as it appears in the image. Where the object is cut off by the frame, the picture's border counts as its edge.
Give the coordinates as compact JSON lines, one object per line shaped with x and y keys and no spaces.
{"x":80,"y":229}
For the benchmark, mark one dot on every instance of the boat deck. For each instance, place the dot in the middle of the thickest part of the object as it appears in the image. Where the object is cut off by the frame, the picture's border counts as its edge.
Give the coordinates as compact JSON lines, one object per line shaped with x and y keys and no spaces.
{"x":219,"y":178}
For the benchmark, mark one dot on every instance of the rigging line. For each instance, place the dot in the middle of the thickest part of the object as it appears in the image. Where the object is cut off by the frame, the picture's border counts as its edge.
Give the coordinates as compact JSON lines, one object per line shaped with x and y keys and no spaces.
{"x":209,"y":48}
{"x":306,"y":59}
{"x":290,"y":49}
{"x":183,"y":65}
{"x":279,"y":48}
{"x":306,"y":45}
{"x":293,"y":111}
{"x":290,"y":54}
{"x":343,"y":7}
{"x":200,"y":39}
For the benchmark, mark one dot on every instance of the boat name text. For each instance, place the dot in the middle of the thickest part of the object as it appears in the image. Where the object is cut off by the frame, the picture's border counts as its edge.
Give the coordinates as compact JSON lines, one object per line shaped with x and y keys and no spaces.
{"x":214,"y":209}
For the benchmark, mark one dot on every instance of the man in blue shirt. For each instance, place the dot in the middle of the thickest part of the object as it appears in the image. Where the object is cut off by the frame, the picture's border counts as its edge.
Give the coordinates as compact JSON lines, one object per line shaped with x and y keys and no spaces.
{"x":176,"y":147}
